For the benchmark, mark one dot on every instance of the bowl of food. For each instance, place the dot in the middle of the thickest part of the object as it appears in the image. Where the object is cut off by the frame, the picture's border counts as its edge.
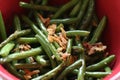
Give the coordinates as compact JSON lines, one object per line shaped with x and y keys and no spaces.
{"x":59,"y":40}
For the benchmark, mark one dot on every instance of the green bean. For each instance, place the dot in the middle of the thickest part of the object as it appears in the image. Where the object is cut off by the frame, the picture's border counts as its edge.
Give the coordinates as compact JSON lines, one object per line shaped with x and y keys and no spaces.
{"x":2,"y":28}
{"x":46,"y":49}
{"x":29,"y":60}
{"x":77,"y":49}
{"x":64,"y":21}
{"x":64,"y":8}
{"x":82,"y":69}
{"x":21,"y":55}
{"x":42,"y":61}
{"x":97,"y":74}
{"x":108,"y":69}
{"x":93,"y":74}
{"x":70,"y":68}
{"x":38,"y":7}
{"x":40,"y":24}
{"x":82,"y":10}
{"x":15,"y":35}
{"x":6,"y":49}
{"x":56,"y":45}
{"x":98,"y":31}
{"x":76,"y":9}
{"x":81,"y":72}
{"x":77,"y":33}
{"x":27,"y":65}
{"x":28,"y":40}
{"x":52,"y":73}
{"x":69,"y":46}
{"x":13,"y":70}
{"x":88,"y":15}
{"x":101,"y":64}
{"x":17,"y":23}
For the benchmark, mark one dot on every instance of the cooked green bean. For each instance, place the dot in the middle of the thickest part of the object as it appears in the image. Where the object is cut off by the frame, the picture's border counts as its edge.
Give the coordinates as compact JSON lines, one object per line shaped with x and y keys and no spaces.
{"x":69,"y":46}
{"x":82,"y":10}
{"x":15,"y":35}
{"x":77,"y":49}
{"x":97,"y":74}
{"x":6,"y":49}
{"x":68,"y":69}
{"x":21,"y":55}
{"x":88,"y":16}
{"x":2,"y":28}
{"x":99,"y":30}
{"x":108,"y":69}
{"x":52,"y":73}
{"x":17,"y":23}
{"x":64,"y":8}
{"x":27,"y":65}
{"x":82,"y":69}
{"x":46,"y":49}
{"x":77,"y":33}
{"x":101,"y":64}
{"x":42,"y":61}
{"x":93,"y":74}
{"x":38,"y":7}
{"x":64,"y":21}
{"x":28,"y":40}
{"x":76,"y":9}
{"x":56,"y":45}
{"x":40,"y":24}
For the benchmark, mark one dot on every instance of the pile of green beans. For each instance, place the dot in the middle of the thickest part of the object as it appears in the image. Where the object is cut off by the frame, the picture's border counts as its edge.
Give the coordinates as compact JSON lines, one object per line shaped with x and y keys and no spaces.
{"x":29,"y":55}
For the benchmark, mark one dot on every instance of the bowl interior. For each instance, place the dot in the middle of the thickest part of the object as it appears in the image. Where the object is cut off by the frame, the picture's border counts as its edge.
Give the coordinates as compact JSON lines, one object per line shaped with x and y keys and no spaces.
{"x":110,"y":36}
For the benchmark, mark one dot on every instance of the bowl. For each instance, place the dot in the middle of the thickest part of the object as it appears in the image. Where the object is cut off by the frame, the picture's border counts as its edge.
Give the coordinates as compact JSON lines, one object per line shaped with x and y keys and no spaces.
{"x":110,"y":35}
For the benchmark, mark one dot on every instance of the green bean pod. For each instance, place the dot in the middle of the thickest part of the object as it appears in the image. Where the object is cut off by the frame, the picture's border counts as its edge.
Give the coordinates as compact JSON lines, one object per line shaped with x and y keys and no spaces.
{"x":42,"y":61}
{"x":100,"y":65}
{"x":99,"y":30}
{"x":6,"y":49}
{"x":27,"y":65}
{"x":97,"y":74}
{"x":77,"y":33}
{"x":88,"y":16}
{"x":70,"y":68}
{"x":3,"y":33}
{"x":15,"y":35}
{"x":17,"y":23}
{"x":69,"y":46}
{"x":40,"y":23}
{"x":46,"y":49}
{"x":76,"y":9}
{"x":38,"y":7}
{"x":21,"y":55}
{"x":52,"y":73}
{"x":28,"y":40}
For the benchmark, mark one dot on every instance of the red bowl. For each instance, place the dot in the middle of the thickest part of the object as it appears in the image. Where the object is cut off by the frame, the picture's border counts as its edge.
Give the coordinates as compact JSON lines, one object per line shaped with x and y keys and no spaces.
{"x":110,"y":36}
